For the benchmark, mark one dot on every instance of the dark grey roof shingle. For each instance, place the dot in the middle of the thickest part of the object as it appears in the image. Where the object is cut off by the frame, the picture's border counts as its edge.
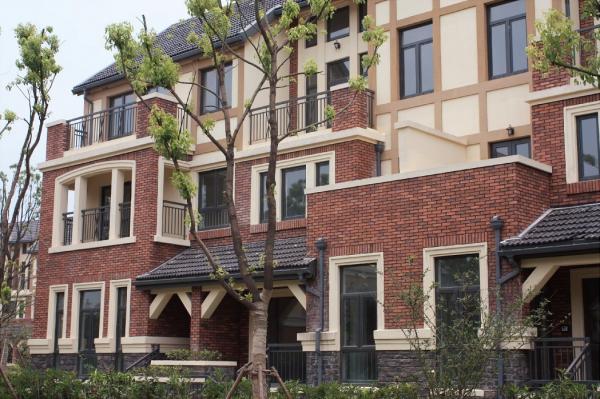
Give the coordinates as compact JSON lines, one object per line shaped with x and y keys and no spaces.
{"x":25,"y":233}
{"x":173,"y":40}
{"x":557,"y":226}
{"x":290,"y":253}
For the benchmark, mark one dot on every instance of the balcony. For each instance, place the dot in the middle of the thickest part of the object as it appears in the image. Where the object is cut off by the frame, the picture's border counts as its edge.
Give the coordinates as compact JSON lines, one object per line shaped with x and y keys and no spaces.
{"x":307,"y":114}
{"x":95,"y":222}
{"x":214,"y":218}
{"x":173,"y":220}
{"x":102,"y":126}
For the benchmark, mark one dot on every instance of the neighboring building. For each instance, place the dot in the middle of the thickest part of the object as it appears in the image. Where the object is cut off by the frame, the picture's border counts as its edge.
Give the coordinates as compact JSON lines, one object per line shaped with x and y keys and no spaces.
{"x":456,"y":130}
{"x":23,"y":244}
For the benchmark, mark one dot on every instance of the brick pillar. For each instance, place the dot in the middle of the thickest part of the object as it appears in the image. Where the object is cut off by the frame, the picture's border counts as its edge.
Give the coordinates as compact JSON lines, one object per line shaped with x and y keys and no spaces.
{"x":358,"y":112}
{"x":294,"y":87}
{"x":195,"y":318}
{"x":57,"y":141}
{"x":143,"y":113}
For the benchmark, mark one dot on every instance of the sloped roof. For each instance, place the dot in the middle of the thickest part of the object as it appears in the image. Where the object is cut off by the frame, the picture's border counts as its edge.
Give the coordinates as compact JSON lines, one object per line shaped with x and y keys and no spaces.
{"x":173,"y":40}
{"x":572,"y":226}
{"x":25,"y":233}
{"x":191,"y":264}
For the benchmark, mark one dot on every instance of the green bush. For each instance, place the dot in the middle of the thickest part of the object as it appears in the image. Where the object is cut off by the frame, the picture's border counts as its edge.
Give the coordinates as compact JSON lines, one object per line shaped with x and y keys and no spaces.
{"x":563,"y":388}
{"x":51,"y":384}
{"x":186,"y":354}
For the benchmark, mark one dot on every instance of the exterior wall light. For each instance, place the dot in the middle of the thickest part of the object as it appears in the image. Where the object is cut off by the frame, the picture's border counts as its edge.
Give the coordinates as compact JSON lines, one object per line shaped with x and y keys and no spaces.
{"x":337,"y":45}
{"x":510,"y":130}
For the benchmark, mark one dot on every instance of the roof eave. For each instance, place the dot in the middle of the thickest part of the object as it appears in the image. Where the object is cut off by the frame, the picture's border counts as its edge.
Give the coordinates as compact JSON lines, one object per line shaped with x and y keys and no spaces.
{"x":553,"y":249}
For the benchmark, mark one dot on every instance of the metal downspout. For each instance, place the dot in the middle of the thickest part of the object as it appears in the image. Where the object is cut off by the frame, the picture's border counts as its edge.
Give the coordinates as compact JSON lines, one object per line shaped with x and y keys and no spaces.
{"x":497,"y":225}
{"x":379,"y":147}
{"x":321,"y":245}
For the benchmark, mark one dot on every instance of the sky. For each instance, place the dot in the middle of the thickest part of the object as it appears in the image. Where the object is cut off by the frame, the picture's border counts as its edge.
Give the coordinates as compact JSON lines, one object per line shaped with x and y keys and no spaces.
{"x":80,"y":25}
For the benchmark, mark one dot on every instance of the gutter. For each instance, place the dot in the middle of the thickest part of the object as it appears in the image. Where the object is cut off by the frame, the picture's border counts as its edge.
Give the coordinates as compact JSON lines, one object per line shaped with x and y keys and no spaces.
{"x":551,"y":249}
{"x":321,"y":245}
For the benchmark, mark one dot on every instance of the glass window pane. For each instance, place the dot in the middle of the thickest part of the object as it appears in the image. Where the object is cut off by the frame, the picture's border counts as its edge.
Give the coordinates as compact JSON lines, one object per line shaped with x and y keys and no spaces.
{"x":507,"y":10}
{"x":263,"y":197}
{"x":498,"y":50}
{"x":90,"y":300}
{"x":410,"y":36}
{"x":523,"y":149}
{"x":426,"y":67}
{"x":339,"y":25}
{"x":519,"y":42}
{"x":209,"y":99}
{"x":352,"y":322}
{"x":409,"y":72}
{"x":362,"y":12}
{"x":457,"y":271}
{"x":359,"y":279}
{"x":294,"y":183}
{"x":323,"y":173}
{"x":588,"y":144}
{"x":500,"y":150}
{"x":359,"y":366}
{"x":369,"y":305}
{"x":338,"y":72}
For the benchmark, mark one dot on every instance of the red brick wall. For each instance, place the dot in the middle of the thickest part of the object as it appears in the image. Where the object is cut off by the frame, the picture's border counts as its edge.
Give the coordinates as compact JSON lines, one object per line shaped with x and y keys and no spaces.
{"x":57,"y":141}
{"x":548,"y":146}
{"x":143,"y":114}
{"x":400,"y":218}
{"x":356,"y":113}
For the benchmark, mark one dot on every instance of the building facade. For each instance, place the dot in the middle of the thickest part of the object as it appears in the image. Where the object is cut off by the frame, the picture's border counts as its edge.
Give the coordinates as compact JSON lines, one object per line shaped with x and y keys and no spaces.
{"x":455,"y":130}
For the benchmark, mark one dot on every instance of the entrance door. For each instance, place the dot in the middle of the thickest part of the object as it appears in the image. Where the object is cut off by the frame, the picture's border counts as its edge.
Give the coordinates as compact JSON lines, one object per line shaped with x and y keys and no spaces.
{"x":286,"y":319}
{"x":591,"y":319}
{"x":89,"y":328}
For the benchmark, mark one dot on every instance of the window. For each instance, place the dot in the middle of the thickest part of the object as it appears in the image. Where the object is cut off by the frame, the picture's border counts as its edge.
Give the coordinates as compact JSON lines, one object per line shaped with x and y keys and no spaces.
{"x":512,"y":147}
{"x":212,"y":200}
{"x":311,"y":114}
{"x":121,"y":324}
{"x":89,"y":327}
{"x":313,"y":40}
{"x":322,"y":173}
{"x":263,"y":198}
{"x":588,"y":146}
{"x":358,"y":321}
{"x":293,"y":198}
{"x":457,"y":292}
{"x":121,"y":116}
{"x":210,"y":95}
{"x":338,"y":72}
{"x":361,"y":68}
{"x":362,"y":13}
{"x":507,"y":38}
{"x":416,"y":60}
{"x":338,"y":26}
{"x":59,"y":312}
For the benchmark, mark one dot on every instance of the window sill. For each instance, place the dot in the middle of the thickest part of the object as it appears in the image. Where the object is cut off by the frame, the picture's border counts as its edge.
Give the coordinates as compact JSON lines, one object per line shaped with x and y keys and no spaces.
{"x":217,"y":232}
{"x":281,"y":225}
{"x":92,"y":245}
{"x":172,"y":240}
{"x":584,"y":186}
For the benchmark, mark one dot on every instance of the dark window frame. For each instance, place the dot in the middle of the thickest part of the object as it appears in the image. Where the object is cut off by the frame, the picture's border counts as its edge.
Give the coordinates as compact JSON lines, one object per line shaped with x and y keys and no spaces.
{"x":220,"y":209}
{"x":362,"y":346}
{"x":202,"y":74}
{"x":312,"y":42}
{"x":362,"y":12}
{"x":580,"y":164}
{"x":361,"y":70}
{"x":331,"y":83}
{"x":512,"y":146}
{"x":346,"y":10}
{"x":507,"y":38}
{"x":262,"y":204}
{"x":317,"y":173}
{"x":284,"y":215}
{"x":120,"y":324}
{"x":417,"y":46}
{"x":125,"y":124}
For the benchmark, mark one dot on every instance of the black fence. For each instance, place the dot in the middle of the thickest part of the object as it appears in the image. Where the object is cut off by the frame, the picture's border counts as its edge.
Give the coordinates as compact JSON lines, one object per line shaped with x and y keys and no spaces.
{"x":95,"y":224}
{"x":289,"y":360}
{"x":214,"y":217}
{"x":102,"y":126}
{"x":67,"y":228}
{"x":551,"y":357}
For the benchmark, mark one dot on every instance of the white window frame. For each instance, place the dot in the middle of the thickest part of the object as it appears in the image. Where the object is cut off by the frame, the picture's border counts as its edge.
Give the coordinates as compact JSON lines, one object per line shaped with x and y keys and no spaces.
{"x":429,"y":256}
{"x":309,"y":161}
{"x":53,"y":290}
{"x":77,"y":289}
{"x":108,"y":344}
{"x":570,"y":128}
{"x":334,"y":277}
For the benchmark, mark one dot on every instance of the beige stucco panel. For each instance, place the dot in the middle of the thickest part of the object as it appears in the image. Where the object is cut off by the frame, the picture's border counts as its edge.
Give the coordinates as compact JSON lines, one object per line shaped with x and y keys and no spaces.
{"x":459,"y":48}
{"x":218,"y":131}
{"x":384,"y":125}
{"x":418,"y":150}
{"x":460,"y":116}
{"x":473,"y":153}
{"x":508,"y":107}
{"x":382,"y":12}
{"x":424,"y":115}
{"x":408,"y":8}
{"x":445,"y":3}
{"x":383,"y":92}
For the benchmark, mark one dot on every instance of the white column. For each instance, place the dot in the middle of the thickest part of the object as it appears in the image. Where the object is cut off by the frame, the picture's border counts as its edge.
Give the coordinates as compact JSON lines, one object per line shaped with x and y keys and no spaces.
{"x":61,"y":194}
{"x":116,"y":197}
{"x":80,"y":204}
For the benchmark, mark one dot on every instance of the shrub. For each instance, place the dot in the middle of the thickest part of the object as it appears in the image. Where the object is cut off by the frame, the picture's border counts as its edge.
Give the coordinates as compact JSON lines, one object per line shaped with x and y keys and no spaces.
{"x":563,"y":388}
{"x":186,"y":354}
{"x":49,"y":384}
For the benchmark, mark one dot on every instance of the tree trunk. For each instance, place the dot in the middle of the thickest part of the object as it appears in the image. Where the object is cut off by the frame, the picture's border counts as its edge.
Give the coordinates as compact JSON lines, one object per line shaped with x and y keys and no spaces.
{"x":258,"y":349}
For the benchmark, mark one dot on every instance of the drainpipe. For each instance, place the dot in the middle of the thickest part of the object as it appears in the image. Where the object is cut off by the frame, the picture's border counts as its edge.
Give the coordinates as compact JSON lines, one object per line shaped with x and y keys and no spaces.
{"x":89,"y":102}
{"x":497,"y":225}
{"x":321,"y":245}
{"x":379,"y":147}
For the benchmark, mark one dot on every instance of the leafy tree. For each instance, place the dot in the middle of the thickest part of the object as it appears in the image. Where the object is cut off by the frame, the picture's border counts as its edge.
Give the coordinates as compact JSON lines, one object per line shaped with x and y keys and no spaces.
{"x":37,"y":68}
{"x":144,"y":65}
{"x":560,"y":45}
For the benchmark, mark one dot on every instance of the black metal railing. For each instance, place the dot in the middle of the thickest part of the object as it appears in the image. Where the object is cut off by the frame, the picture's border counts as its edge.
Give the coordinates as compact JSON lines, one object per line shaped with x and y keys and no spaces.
{"x":145,"y":360}
{"x":95,"y":224}
{"x":551,"y":357}
{"x":304,"y":114}
{"x":183,"y":118}
{"x":213,"y":217}
{"x":102,"y":126}
{"x":125,"y":220}
{"x":67,"y":228}
{"x":289,"y":360}
{"x":173,"y":219}
{"x":87,"y":362}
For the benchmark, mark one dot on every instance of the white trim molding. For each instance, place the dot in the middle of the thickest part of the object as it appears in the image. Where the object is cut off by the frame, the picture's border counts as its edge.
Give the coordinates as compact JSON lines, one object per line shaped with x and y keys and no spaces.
{"x":570,"y":128}
{"x":70,"y":344}
{"x":108,"y":344}
{"x":164,"y":295}
{"x":39,"y":346}
{"x":143,"y":344}
{"x":577,"y":316}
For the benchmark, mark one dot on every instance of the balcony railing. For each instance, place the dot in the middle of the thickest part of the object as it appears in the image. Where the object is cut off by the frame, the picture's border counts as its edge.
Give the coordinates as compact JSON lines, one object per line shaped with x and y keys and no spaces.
{"x":102,"y":126}
{"x":125,"y":225}
{"x":67,"y":228}
{"x":214,"y":217}
{"x":289,"y":360}
{"x":302,"y":114}
{"x":95,"y":224}
{"x":173,"y":219}
{"x":553,"y":356}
